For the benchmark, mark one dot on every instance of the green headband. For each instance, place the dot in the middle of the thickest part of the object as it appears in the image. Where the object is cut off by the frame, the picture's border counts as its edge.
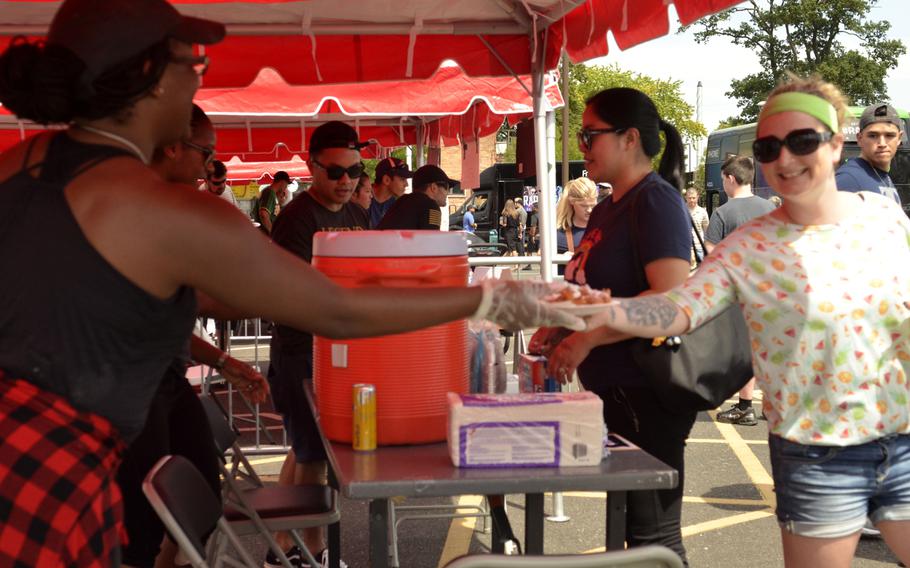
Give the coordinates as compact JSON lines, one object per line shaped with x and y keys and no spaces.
{"x":812,"y":105}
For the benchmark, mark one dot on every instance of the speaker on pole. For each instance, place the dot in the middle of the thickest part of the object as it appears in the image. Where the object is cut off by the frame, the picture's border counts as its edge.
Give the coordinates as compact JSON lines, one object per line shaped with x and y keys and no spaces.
{"x":525,"y":157}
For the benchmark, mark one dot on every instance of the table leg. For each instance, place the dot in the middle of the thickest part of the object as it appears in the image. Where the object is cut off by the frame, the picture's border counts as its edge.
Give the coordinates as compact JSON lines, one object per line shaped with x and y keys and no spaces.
{"x":496,"y":544}
{"x":334,"y":545}
{"x":616,"y":520}
{"x":534,"y":523}
{"x":379,"y":533}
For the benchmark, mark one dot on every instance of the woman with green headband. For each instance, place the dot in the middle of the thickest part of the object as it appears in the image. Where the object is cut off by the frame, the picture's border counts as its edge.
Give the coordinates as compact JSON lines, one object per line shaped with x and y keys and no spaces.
{"x":823,"y":284}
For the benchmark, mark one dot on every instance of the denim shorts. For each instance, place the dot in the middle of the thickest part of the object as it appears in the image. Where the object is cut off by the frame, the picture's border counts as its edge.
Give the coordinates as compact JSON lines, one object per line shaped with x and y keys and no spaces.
{"x":828,"y":491}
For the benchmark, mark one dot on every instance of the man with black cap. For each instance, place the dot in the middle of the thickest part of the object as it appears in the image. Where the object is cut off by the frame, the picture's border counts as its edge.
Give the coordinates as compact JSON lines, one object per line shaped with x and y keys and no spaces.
{"x":336,"y":167}
{"x":391,"y":181}
{"x":270,"y":200}
{"x":420,"y":210}
{"x":880,"y":132}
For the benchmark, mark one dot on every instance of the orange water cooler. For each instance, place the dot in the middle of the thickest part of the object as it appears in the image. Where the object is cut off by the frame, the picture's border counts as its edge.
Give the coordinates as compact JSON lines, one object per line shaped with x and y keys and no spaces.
{"x":412,"y":371}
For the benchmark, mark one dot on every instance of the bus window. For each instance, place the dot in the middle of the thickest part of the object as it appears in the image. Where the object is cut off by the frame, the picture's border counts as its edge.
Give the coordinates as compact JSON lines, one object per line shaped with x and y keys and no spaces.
{"x":729,"y":146}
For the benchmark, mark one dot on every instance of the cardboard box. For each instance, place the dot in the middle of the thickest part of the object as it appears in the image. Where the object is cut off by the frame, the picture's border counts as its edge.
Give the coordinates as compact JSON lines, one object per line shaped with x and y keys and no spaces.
{"x":525,"y":430}
{"x":532,"y":373}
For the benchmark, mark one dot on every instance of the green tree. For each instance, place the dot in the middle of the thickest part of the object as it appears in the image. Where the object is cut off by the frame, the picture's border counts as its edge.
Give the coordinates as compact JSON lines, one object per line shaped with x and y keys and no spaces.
{"x":805,"y":37}
{"x":586,"y":80}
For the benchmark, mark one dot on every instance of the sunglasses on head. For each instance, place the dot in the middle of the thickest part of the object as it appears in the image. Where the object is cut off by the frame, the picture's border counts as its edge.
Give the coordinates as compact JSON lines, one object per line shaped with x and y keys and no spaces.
{"x":799,"y":142}
{"x":337,"y":172}
{"x":586,"y":135}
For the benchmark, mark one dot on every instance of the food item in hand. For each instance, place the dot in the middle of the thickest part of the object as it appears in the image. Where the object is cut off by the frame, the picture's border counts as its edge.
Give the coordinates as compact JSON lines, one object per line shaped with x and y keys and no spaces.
{"x":581,"y":295}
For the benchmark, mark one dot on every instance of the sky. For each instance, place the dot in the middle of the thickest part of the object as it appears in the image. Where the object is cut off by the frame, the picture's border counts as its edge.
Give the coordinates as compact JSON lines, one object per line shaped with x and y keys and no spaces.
{"x":715,"y":64}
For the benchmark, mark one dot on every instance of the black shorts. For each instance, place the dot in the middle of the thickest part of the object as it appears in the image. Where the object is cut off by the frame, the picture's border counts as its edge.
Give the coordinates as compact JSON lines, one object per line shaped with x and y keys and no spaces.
{"x":289,"y":368}
{"x":176,"y":425}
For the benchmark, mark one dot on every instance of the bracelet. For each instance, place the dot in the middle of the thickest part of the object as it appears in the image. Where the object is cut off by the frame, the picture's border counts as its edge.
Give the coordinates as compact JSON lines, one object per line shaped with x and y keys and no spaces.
{"x":222,"y":359}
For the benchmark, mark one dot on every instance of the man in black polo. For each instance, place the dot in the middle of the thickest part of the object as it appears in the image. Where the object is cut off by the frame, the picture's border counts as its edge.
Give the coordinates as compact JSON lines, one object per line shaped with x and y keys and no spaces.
{"x":336,"y":167}
{"x":420,"y":210}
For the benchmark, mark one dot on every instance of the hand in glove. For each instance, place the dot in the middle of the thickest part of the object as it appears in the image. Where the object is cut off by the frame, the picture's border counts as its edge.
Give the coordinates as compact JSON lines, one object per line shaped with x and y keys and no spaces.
{"x":520,"y":304}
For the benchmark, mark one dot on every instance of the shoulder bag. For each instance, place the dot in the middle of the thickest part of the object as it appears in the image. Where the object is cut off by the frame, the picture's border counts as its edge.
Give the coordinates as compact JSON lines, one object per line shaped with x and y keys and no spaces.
{"x":701,"y":369}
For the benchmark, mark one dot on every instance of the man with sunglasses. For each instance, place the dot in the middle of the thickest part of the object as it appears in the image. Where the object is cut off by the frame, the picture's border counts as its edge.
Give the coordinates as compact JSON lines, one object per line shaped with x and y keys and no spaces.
{"x":420,"y":210}
{"x":391,"y":182}
{"x":880,"y":132}
{"x":336,"y":167}
{"x":216,"y":183}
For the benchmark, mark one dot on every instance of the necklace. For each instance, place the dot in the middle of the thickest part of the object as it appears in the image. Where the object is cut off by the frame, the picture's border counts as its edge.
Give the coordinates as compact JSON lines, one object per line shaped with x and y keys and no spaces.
{"x":117,"y":138}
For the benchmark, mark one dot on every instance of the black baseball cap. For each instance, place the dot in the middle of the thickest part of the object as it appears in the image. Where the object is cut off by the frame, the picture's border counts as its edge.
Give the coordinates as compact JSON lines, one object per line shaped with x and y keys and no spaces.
{"x":281,"y":176}
{"x":880,"y":113}
{"x":392,"y":167}
{"x":335,"y":134}
{"x":103,"y":33}
{"x":425,"y":175}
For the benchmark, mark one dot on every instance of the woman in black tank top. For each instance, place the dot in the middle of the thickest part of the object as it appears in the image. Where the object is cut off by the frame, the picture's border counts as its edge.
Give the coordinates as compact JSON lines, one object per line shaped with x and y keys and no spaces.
{"x":100,"y":259}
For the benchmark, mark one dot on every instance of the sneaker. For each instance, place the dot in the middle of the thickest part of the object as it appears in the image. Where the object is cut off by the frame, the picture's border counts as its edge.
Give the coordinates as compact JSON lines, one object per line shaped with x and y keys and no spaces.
{"x":738,"y":416}
{"x":323,"y":558}
{"x":295,"y":557}
{"x":870,"y":531}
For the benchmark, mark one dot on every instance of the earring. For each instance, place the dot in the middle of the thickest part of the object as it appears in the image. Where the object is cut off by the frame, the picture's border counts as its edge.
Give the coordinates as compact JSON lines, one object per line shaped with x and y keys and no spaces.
{"x":159,"y":91}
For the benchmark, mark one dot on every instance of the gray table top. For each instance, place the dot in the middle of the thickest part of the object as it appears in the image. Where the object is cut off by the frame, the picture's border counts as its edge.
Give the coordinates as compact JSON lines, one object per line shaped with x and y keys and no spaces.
{"x":427,"y":471}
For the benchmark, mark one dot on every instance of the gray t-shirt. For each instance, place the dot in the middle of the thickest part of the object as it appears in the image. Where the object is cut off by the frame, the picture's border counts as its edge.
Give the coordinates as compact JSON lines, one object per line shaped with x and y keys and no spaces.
{"x":734,"y":213}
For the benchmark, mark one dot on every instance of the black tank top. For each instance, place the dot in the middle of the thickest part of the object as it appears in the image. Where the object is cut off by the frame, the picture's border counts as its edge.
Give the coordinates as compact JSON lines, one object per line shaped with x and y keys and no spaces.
{"x":69,"y":321}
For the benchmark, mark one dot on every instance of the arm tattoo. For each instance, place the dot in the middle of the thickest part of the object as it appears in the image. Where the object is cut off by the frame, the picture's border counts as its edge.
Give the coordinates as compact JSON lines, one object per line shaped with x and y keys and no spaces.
{"x":649,"y":311}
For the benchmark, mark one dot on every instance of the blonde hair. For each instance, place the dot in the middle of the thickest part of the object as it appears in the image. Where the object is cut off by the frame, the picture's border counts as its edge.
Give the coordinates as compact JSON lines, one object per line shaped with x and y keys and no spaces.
{"x":579,"y":189}
{"x":510,"y":209}
{"x":814,"y":85}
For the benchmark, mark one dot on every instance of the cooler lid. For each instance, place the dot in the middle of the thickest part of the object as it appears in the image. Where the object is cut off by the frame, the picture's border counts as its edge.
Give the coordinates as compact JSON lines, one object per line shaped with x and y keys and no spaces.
{"x":389,"y":244}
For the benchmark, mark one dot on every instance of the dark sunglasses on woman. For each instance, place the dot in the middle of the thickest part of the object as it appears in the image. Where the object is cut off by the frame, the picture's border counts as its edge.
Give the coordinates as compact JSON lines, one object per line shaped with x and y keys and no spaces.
{"x":335,"y":173}
{"x":799,"y":142}
{"x":586,"y":135}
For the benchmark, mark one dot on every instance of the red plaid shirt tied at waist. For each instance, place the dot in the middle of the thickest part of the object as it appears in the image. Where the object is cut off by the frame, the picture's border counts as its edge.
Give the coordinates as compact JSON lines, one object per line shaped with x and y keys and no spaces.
{"x":59,"y":504}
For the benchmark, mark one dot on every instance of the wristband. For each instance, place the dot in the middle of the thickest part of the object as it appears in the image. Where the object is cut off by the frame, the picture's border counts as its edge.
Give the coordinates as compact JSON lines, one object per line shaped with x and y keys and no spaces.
{"x":486,"y":300}
{"x":222,"y":359}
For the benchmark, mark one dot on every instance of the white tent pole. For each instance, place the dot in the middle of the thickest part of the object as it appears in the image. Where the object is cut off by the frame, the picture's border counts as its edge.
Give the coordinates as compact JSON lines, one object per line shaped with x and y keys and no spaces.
{"x":421,"y":160}
{"x":545,"y":183}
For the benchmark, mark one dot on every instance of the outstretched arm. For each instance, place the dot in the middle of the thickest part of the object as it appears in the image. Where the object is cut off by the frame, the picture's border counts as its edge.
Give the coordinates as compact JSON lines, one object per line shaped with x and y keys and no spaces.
{"x":643,"y":316}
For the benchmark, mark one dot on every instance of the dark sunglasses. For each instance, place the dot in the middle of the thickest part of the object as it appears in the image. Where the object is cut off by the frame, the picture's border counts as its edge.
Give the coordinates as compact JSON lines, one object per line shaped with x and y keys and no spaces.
{"x":586,"y":135}
{"x":800,"y":142}
{"x":218,"y":183}
{"x":337,"y":172}
{"x":208,"y":154}
{"x":199,"y":63}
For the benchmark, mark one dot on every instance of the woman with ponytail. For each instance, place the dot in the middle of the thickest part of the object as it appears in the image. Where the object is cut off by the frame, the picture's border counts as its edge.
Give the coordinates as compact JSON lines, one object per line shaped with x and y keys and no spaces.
{"x":638,"y":241}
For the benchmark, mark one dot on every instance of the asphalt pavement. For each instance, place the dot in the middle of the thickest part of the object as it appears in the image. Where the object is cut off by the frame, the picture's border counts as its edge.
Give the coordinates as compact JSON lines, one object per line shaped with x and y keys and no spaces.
{"x":728,"y":516}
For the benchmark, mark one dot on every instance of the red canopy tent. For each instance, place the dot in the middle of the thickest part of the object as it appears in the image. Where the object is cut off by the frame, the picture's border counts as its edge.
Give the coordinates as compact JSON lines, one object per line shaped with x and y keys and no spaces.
{"x":349,"y":41}
{"x":443,"y":110}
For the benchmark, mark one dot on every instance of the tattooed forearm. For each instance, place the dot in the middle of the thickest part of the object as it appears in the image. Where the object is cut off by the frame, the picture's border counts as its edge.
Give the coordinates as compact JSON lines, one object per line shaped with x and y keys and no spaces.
{"x":649,"y":311}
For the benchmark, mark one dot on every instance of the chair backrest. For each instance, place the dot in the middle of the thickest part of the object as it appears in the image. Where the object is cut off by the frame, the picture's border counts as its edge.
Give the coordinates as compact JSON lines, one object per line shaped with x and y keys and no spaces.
{"x":224,"y":433}
{"x":644,"y":557}
{"x":184,"y":502}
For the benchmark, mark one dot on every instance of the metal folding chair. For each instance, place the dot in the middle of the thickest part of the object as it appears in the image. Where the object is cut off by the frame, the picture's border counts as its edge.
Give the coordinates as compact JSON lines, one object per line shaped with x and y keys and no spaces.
{"x":186,"y":505}
{"x":644,"y":557}
{"x":252,"y":507}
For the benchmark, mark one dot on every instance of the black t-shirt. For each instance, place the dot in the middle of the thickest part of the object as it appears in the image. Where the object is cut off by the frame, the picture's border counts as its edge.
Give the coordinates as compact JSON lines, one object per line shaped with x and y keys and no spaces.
{"x":412,"y":211}
{"x":604,"y":260}
{"x":294,"y":229}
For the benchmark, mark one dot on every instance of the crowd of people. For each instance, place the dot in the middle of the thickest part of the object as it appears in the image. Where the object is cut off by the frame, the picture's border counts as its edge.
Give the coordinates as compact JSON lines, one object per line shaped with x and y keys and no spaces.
{"x":117,"y":248}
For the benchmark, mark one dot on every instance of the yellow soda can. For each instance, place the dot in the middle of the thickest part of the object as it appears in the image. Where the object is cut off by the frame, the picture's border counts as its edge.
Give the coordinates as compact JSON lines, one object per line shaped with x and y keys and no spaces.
{"x":364,"y":416}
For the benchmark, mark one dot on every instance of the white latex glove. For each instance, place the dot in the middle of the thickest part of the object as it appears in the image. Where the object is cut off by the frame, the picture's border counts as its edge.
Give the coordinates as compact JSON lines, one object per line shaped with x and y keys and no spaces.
{"x":519,"y":304}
